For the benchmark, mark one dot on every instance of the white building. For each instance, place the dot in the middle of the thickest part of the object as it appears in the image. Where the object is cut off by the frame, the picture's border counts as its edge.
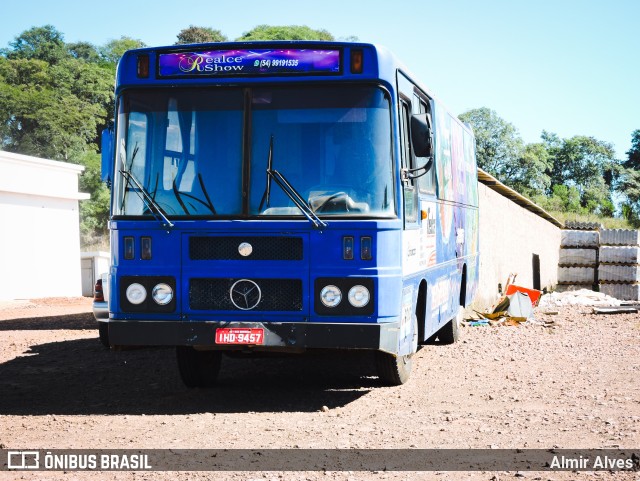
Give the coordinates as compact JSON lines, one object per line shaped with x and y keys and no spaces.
{"x":39,"y":227}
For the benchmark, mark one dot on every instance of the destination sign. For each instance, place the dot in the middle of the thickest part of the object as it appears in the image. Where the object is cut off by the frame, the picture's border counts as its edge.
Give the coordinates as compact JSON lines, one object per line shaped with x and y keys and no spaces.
{"x":249,"y":62}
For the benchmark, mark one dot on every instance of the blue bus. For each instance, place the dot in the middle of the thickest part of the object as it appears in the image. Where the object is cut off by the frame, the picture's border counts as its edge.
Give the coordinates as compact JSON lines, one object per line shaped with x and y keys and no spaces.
{"x":286,"y":196}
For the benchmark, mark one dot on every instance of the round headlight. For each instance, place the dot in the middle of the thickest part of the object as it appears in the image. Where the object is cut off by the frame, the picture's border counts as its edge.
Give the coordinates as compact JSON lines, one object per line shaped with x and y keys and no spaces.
{"x":359,"y":296}
{"x":330,"y":296}
{"x":162,"y":294}
{"x":136,"y":293}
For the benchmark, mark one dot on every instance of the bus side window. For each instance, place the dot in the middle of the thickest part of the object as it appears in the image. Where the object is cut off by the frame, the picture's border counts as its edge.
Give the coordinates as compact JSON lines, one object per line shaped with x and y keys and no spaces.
{"x":136,"y":156}
{"x":426,"y":182}
{"x":410,"y":192}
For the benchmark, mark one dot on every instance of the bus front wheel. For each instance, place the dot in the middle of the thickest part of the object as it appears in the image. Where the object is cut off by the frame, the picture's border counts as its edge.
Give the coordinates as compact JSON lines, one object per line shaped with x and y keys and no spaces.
{"x":198,"y":368}
{"x":393,"y":370}
{"x":103,"y":333}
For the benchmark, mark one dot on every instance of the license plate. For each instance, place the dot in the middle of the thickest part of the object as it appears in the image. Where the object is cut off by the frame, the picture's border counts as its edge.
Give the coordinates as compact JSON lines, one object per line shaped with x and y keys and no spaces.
{"x":238,"y":335}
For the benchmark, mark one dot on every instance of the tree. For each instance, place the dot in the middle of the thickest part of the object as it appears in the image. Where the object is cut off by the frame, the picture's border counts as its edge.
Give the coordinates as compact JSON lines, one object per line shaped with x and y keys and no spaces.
{"x":633,"y":155}
{"x":84,"y":51}
{"x":562,"y":199}
{"x":291,"y":32}
{"x":94,"y":213}
{"x":54,"y":101}
{"x":115,"y":49}
{"x":531,"y":172}
{"x":586,"y":164}
{"x":39,"y":43}
{"x":52,"y":111}
{"x":195,"y":34}
{"x":498,"y":144}
{"x":627,"y":181}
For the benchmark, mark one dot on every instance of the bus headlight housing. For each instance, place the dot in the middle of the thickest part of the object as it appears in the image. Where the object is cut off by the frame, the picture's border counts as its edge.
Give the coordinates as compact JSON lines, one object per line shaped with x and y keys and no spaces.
{"x":146,"y":294}
{"x":136,"y":293}
{"x":330,"y":296}
{"x":162,"y":294}
{"x":332,"y":293}
{"x":359,"y":296}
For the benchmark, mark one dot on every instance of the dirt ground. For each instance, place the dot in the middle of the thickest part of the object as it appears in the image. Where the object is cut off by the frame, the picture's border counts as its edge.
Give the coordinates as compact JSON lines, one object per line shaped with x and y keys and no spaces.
{"x":574,"y":383}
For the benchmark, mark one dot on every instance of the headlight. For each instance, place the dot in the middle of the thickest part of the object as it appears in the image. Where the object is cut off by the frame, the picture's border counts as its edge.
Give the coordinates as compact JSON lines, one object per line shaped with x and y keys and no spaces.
{"x":330,"y":296}
{"x":162,"y":294}
{"x":136,"y":293}
{"x":359,"y":296}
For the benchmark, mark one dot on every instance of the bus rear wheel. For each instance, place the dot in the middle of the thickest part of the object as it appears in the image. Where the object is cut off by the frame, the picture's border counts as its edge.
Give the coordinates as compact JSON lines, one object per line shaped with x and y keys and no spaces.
{"x":198,"y":368}
{"x":393,"y":370}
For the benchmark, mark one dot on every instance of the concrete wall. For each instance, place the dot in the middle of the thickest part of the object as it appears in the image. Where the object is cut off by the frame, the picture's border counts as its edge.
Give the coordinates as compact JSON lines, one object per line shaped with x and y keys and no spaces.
{"x":39,"y":228}
{"x":509,"y":237}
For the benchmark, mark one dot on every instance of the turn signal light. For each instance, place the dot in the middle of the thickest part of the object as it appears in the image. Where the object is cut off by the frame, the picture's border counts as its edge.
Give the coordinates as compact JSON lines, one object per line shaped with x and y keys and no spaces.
{"x":356,"y":61}
{"x":365,"y":248}
{"x":347,"y":248}
{"x":145,"y":248}
{"x":129,"y":249}
{"x":143,"y":66}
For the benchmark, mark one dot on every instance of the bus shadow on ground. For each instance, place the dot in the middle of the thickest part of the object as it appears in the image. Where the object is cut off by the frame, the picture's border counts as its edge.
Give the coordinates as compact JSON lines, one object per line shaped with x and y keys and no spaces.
{"x":80,"y":321}
{"x":80,"y":377}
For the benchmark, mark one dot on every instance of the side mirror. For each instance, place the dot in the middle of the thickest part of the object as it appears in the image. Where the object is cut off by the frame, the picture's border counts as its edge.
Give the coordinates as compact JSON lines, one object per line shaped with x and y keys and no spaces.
{"x":107,"y":155}
{"x":422,"y":135}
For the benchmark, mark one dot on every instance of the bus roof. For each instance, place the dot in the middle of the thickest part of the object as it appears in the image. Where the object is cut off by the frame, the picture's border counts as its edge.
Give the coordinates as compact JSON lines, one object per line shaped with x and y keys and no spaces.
{"x":234,"y":63}
{"x":240,"y":62}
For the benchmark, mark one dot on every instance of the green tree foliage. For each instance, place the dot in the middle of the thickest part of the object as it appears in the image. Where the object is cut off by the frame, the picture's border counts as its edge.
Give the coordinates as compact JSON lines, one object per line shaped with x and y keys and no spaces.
{"x":114,"y":49}
{"x":498,"y":144}
{"x":562,"y":199}
{"x":633,"y":155}
{"x":628,"y":181}
{"x":95,"y":211}
{"x":39,"y":43}
{"x":52,"y":111}
{"x":195,"y":34}
{"x":54,"y":101}
{"x":291,"y":32}
{"x":84,"y":51}
{"x":563,"y":175}
{"x":531,"y":170}
{"x":586,"y":164}
{"x":501,"y":152}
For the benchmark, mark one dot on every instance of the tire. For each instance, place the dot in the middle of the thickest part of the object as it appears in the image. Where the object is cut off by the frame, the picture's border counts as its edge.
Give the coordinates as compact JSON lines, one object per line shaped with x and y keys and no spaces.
{"x":103,"y":332}
{"x":396,"y":370}
{"x":198,"y":368}
{"x":393,"y":370}
{"x":450,"y":332}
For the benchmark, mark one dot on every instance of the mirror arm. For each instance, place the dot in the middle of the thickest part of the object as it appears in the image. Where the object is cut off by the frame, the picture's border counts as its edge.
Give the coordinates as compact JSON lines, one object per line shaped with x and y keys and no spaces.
{"x":408,"y":174}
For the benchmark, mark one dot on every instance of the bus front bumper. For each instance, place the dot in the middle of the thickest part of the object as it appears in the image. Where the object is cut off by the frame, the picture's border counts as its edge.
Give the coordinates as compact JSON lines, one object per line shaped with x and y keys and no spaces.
{"x":282,"y":336}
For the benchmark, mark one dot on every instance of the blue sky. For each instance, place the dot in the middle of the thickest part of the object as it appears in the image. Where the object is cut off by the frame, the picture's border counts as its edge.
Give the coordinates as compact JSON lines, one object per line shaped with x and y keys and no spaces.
{"x":566,"y":66}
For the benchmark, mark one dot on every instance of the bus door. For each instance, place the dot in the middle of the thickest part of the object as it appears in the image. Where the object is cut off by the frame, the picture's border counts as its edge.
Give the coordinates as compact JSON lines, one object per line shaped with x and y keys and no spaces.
{"x":411,"y":228}
{"x":419,"y":204}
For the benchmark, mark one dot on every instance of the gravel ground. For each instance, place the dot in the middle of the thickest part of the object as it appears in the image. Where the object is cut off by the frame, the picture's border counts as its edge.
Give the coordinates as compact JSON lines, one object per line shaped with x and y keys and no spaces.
{"x":572,"y":383}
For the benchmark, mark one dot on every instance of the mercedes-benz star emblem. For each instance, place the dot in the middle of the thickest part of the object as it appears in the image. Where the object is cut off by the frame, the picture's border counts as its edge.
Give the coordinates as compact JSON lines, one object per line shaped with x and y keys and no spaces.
{"x":245,"y":294}
{"x":245,"y":249}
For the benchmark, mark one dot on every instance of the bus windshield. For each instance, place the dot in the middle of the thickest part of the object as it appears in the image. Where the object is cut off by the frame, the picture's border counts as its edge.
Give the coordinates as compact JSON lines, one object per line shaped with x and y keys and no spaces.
{"x":205,"y":152}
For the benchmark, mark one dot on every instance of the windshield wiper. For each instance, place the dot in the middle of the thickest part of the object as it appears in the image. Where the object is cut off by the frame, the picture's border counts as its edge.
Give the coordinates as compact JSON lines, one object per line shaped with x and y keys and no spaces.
{"x":291,"y":192}
{"x":144,"y":195}
{"x":208,"y":204}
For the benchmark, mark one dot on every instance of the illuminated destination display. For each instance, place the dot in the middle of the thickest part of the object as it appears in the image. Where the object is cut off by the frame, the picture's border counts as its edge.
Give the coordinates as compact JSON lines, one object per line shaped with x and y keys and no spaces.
{"x":249,"y":62}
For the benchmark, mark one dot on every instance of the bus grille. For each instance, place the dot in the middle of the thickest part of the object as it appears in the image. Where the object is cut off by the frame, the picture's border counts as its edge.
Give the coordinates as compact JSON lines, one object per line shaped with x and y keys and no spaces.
{"x":274,"y":295}
{"x":263,"y":248}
